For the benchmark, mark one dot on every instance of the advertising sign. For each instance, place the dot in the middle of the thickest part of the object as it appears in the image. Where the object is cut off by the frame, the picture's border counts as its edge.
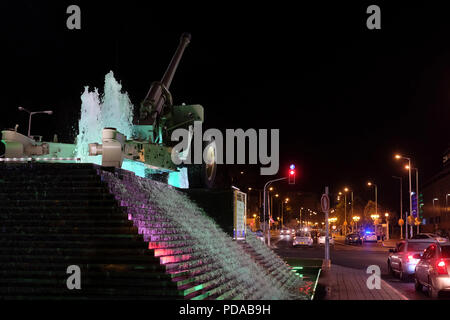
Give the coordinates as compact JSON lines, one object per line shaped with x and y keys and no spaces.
{"x":240,"y":215}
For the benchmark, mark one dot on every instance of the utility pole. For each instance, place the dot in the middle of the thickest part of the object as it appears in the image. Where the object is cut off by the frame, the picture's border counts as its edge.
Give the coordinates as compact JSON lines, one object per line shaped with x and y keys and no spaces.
{"x":417,"y":198}
{"x":325,"y":202}
{"x":401,"y":204}
{"x":265,"y":206}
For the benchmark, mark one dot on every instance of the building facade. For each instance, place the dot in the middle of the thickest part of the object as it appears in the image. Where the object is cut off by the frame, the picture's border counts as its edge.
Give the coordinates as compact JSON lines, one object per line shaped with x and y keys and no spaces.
{"x":436,"y":198}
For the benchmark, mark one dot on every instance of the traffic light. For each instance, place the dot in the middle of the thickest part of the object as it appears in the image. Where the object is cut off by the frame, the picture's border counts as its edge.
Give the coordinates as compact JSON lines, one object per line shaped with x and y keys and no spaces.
{"x":291,"y":174}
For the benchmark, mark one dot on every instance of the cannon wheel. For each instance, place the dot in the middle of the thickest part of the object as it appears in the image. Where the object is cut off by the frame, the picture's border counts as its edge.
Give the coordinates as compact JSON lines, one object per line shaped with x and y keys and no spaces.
{"x":204,"y":175}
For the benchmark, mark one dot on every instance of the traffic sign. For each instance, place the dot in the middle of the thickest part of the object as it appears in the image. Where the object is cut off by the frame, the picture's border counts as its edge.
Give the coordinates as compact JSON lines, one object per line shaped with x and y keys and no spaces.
{"x":401,"y":222}
{"x":325,"y":202}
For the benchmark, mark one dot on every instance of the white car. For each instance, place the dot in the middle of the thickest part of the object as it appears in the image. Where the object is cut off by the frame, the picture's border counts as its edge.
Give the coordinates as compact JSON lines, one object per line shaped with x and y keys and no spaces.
{"x":321,"y":240}
{"x":433,"y":269}
{"x":285,"y":232}
{"x":370,"y":236}
{"x":302,"y":238}
{"x":425,"y":236}
{"x":403,"y":260}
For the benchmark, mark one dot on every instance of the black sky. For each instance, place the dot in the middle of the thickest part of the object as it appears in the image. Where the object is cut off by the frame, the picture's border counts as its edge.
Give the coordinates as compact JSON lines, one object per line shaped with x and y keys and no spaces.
{"x":344,"y":97}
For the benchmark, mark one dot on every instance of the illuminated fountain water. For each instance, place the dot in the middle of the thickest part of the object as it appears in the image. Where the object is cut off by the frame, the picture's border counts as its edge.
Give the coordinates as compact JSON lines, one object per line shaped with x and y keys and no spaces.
{"x":114,"y":109}
{"x":111,"y":109}
{"x":187,"y":240}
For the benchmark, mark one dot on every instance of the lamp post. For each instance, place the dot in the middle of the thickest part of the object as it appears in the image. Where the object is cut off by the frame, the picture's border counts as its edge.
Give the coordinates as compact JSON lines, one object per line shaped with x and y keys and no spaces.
{"x":301,"y":217}
{"x":345,"y":211}
{"x":375,"y":218}
{"x":397,"y":156}
{"x":376,"y":195}
{"x":387,"y":225}
{"x":417,"y":193}
{"x":401,"y":204}
{"x":282,"y":210}
{"x":264,"y":205}
{"x":49,"y":112}
{"x":356,"y":219}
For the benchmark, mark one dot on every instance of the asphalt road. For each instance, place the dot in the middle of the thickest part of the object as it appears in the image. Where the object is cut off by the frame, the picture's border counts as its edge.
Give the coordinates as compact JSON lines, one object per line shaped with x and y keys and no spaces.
{"x":351,"y":256}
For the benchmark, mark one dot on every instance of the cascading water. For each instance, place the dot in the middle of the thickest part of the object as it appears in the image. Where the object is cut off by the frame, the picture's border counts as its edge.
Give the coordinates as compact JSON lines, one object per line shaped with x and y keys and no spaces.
{"x":240,"y":275}
{"x":112,"y":109}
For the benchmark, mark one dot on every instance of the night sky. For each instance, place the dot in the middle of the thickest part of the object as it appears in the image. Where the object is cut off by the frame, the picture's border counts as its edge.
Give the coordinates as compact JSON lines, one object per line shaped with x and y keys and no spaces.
{"x":344,"y":97}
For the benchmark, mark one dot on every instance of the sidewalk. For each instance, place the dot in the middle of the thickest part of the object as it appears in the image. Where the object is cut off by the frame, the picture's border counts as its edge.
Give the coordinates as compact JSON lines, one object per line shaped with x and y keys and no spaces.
{"x":343,"y":283}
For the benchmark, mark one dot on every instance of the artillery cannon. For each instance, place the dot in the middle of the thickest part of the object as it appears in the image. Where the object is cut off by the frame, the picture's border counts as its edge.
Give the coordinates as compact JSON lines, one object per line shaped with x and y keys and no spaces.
{"x":151,"y":144}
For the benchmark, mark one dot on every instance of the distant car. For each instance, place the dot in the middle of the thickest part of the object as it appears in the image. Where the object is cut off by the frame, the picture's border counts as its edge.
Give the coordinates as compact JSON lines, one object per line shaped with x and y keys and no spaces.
{"x":302,"y":238}
{"x":353,"y":238}
{"x":403,"y":259}
{"x":285,"y":231}
{"x":430,"y":236}
{"x":370,"y":236}
{"x":433,"y":269}
{"x":321,"y":240}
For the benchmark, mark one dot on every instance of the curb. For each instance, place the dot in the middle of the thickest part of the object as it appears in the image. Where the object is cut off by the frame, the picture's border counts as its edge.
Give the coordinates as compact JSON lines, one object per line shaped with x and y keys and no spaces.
{"x":395,"y":290}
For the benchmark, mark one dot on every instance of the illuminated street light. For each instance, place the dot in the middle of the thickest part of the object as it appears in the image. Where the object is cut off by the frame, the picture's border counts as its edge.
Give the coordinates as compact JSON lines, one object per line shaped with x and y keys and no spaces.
{"x":345,"y":209}
{"x":387,"y":225}
{"x":356,"y":219}
{"x":397,"y":156}
{"x":407,"y":167}
{"x":376,"y":195}
{"x":49,"y":112}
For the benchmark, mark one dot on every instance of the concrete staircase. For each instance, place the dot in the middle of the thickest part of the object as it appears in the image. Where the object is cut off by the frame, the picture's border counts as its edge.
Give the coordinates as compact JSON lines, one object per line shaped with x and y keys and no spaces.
{"x":56,"y":215}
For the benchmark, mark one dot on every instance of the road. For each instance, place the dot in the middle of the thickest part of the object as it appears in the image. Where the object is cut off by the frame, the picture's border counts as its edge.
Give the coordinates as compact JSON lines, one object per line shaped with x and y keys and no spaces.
{"x":352,"y":256}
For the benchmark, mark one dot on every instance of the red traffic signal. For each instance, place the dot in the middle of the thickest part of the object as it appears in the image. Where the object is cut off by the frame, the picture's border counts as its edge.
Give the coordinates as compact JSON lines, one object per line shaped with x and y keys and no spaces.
{"x":291,"y":176}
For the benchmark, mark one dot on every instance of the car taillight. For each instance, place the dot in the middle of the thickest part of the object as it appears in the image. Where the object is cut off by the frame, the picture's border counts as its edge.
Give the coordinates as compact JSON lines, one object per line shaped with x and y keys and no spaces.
{"x":441,"y":267}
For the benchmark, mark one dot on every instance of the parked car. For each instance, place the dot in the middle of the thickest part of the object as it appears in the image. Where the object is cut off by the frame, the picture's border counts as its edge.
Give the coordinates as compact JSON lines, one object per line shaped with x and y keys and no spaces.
{"x":370,"y":236}
{"x":302,"y":238}
{"x":433,"y":269}
{"x":353,"y":238}
{"x":322,"y":237}
{"x":403,"y":259}
{"x":430,"y":236}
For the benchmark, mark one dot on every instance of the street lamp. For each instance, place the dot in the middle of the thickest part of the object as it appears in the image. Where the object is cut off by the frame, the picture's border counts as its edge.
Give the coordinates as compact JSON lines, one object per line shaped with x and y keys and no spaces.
{"x":345,"y":209}
{"x":356,"y":219}
{"x":264,"y":204}
{"x":375,"y":218}
{"x":387,"y":225}
{"x":397,"y":156}
{"x":401,"y":205}
{"x":282,"y":210}
{"x":49,"y":112}
{"x":417,"y":192}
{"x":376,"y":196}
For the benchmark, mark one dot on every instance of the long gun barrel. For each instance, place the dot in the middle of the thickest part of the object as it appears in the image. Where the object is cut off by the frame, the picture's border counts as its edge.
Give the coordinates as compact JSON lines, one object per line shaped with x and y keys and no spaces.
{"x":159,"y":96}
